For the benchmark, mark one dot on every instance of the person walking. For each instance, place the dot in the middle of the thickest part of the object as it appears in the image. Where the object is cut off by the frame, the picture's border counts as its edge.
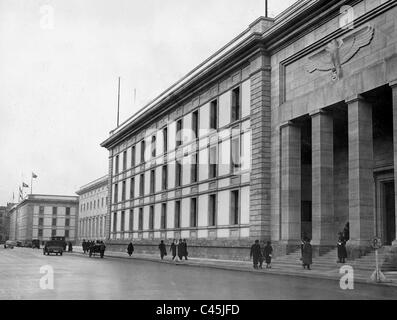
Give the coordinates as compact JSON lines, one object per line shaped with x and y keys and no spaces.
{"x":130,"y":249}
{"x":307,"y":258}
{"x":180,"y":249}
{"x":341,"y":245}
{"x":70,"y":248}
{"x":185,"y":253}
{"x":163,"y":250}
{"x":256,"y":253}
{"x":268,"y":253}
{"x":84,"y":245}
{"x":173,"y":250}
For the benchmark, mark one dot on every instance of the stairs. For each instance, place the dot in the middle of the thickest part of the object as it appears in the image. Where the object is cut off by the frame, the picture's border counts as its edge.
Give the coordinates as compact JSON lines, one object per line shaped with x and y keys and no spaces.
{"x":368,"y":262}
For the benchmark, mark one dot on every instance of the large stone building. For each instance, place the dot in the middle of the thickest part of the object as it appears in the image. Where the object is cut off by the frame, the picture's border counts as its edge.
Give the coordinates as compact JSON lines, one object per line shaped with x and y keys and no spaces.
{"x":308,"y":100}
{"x":42,"y":217}
{"x":4,"y":222}
{"x":93,"y":200}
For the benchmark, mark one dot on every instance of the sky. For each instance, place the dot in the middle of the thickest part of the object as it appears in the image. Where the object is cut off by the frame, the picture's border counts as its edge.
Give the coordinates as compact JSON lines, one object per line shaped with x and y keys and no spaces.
{"x":59,"y":66}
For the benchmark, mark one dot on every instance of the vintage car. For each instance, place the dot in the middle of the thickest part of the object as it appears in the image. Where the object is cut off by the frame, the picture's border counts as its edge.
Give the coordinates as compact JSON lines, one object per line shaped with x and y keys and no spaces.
{"x":10,"y":244}
{"x":53,"y":246}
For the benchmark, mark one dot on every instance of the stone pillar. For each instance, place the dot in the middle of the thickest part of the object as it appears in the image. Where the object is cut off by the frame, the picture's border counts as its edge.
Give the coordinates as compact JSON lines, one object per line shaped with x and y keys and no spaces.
{"x":290,"y":184}
{"x":393,"y":86}
{"x":323,"y":232}
{"x":108,"y":219}
{"x":361,"y":181}
{"x":260,"y":216}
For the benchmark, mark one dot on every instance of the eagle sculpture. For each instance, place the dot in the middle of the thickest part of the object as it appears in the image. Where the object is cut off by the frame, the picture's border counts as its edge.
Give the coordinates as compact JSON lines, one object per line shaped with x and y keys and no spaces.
{"x":338,"y":52}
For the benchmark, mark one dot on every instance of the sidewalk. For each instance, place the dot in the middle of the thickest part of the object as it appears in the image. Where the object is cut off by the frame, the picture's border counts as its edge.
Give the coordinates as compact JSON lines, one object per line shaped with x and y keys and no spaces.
{"x":246,"y":266}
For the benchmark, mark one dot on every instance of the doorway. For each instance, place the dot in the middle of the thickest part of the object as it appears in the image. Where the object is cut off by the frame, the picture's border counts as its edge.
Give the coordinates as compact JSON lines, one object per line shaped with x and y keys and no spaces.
{"x":389,"y":215}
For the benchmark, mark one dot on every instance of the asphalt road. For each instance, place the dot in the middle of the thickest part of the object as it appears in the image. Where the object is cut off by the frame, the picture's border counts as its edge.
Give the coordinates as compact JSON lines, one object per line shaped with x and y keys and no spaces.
{"x":80,"y":277}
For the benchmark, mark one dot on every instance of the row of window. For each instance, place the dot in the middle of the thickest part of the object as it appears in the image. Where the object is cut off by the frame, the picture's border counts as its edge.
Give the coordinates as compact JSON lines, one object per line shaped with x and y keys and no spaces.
{"x":54,"y":222}
{"x":54,"y":210}
{"x":213,"y":123}
{"x":93,"y":227}
{"x":92,"y":205}
{"x":212,"y":214}
{"x":53,"y":233}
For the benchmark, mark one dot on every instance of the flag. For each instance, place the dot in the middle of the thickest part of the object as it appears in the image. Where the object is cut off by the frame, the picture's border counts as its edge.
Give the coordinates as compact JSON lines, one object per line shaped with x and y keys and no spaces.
{"x":24,"y":185}
{"x":20,"y":194}
{"x":34,"y":176}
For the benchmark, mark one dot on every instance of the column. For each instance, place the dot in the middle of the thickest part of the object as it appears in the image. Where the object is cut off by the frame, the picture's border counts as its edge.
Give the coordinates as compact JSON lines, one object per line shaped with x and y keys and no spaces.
{"x":290,"y":183}
{"x":393,"y":86}
{"x":323,"y":232}
{"x":361,"y":181}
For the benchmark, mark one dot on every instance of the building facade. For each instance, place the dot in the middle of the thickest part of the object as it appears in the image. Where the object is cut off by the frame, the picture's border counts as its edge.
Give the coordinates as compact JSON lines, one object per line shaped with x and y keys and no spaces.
{"x":93,"y":200}
{"x":4,"y":222}
{"x":42,"y":217}
{"x":287,"y":132}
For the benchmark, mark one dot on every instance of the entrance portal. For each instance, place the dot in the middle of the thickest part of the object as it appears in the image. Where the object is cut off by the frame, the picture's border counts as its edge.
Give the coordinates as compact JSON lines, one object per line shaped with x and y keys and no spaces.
{"x":389,"y":215}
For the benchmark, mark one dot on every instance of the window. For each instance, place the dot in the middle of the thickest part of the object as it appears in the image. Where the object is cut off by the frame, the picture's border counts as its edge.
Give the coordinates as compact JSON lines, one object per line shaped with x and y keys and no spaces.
{"x":195,"y":124}
{"x":236,"y":154}
{"x":178,"y":172}
{"x":193,"y":213}
{"x":236,"y":105}
{"x":140,"y":226}
{"x":115,"y":222}
{"x":214,"y":115}
{"x":53,"y":233}
{"x":133,"y":160}
{"x":212,"y":210}
{"x":194,"y":168}
{"x":102,"y":202}
{"x":54,"y":211}
{"x":179,"y":137}
{"x":213,"y":167}
{"x":124,"y":160}
{"x":122,"y":221}
{"x":123,"y":191}
{"x":41,"y":221}
{"x":131,"y":220}
{"x":54,"y":222}
{"x":116,"y":171}
{"x":143,"y":146}
{"x":94,"y":204}
{"x":164,"y":183}
{"x":66,"y":233}
{"x":177,"y":215}
{"x":151,"y":218}
{"x":40,"y":234}
{"x":164,"y":216}
{"x":142,"y":185}
{"x":152,"y":182}
{"x":116,"y":193}
{"x":41,"y":210}
{"x":67,"y":222}
{"x":153,"y":146}
{"x":165,"y":139}
{"x":132,"y":189}
{"x":234,"y":207}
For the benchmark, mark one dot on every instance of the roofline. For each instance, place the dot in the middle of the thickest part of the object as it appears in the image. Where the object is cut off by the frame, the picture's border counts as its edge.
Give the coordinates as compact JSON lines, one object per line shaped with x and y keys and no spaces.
{"x":93,"y":185}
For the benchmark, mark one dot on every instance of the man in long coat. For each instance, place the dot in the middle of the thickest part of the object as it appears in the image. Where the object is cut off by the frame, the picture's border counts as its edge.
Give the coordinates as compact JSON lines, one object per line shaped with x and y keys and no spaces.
{"x":163,"y":250}
{"x":173,"y":249}
{"x":130,"y":249}
{"x":256,"y":253}
{"x":185,"y":253}
{"x":307,"y":259}
{"x":341,"y":245}
{"x":181,"y":249}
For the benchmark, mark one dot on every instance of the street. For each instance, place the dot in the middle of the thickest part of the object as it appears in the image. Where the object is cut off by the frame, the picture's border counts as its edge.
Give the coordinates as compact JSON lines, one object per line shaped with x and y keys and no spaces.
{"x":79,"y":277}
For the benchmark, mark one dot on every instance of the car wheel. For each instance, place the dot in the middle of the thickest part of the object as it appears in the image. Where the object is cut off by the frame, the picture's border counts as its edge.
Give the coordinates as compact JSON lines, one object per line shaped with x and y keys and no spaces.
{"x":61,"y":253}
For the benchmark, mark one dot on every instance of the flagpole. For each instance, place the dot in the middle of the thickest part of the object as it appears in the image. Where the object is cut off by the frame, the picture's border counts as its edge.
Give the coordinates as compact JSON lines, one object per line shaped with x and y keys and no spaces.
{"x":31,"y":184}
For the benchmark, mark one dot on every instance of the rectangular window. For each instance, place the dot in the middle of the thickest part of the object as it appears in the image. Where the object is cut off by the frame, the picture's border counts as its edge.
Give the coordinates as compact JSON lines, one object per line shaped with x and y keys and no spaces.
{"x":234,"y":207}
{"x":214,"y":115}
{"x":132,"y":189}
{"x":116,"y":193}
{"x":178,"y":173}
{"x":143,"y":146}
{"x":115,"y":222}
{"x":54,"y":222}
{"x":53,"y":233}
{"x":152,"y":182}
{"x":142,"y":185}
{"x":236,"y":154}
{"x":212,"y":210}
{"x":193,"y":213}
{"x":213,"y":167}
{"x":151,"y":218}
{"x":122,"y":221}
{"x":179,"y":136}
{"x":67,"y":211}
{"x":116,"y":170}
{"x":177,"y":215}
{"x":194,"y":168}
{"x":195,"y":124}
{"x":131,"y":220}
{"x":54,"y":211}
{"x":94,"y":204}
{"x":140,"y":222}
{"x":164,"y":216}
{"x":165,"y":139}
{"x":133,"y":162}
{"x":164,"y":183}
{"x":236,"y":105}
{"x":66,"y":233}
{"x":124,"y":160}
{"x":153,"y":146}
{"x":123,"y":191}
{"x":41,"y":222}
{"x":67,"y":222}
{"x":40,"y":232}
{"x":102,"y":202}
{"x":41,"y":210}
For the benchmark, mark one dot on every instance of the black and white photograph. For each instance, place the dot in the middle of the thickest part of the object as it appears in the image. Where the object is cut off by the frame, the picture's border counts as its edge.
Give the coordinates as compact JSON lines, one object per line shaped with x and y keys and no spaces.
{"x":216,"y":151}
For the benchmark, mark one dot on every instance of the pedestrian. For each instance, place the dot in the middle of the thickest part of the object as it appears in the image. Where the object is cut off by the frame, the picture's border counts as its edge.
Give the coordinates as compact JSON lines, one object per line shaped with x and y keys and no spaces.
{"x":70,"y":249}
{"x":102,"y":249}
{"x":185,"y":253}
{"x":163,"y":250}
{"x":307,"y":258}
{"x":268,"y":253}
{"x":341,"y":245}
{"x":181,"y":249}
{"x":84,"y":245}
{"x":130,"y":249}
{"x":173,"y":250}
{"x":256,"y":253}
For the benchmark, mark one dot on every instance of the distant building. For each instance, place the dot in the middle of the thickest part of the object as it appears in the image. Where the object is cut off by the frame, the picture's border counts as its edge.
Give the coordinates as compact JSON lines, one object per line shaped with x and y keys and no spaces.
{"x":4,"y":222}
{"x":93,"y":199}
{"x":42,"y":217}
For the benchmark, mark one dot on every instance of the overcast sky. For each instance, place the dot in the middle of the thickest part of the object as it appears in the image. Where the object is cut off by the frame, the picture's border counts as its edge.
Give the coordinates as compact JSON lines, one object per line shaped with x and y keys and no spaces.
{"x":58,"y":77}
